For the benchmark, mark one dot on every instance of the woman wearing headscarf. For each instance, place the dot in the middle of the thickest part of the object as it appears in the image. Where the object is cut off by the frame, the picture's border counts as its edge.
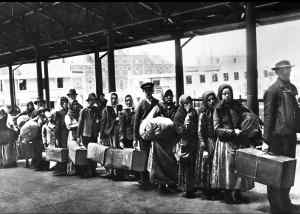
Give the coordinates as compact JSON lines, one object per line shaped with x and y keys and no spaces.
{"x":206,"y":143}
{"x":227,"y":123}
{"x":163,"y":164}
{"x":186,"y":125}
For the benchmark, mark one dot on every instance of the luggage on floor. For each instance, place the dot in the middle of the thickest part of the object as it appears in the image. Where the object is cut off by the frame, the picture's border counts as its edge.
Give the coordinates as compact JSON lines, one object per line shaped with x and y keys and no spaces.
{"x":77,"y":153}
{"x":57,"y":154}
{"x":127,"y":158}
{"x":96,"y":152}
{"x":273,"y":170}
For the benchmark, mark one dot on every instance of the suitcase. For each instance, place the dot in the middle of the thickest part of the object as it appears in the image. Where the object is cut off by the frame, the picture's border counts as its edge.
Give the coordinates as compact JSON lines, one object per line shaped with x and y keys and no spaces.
{"x":277,"y":171}
{"x":127,"y":158}
{"x":77,"y":153}
{"x":96,"y":152}
{"x":57,"y":154}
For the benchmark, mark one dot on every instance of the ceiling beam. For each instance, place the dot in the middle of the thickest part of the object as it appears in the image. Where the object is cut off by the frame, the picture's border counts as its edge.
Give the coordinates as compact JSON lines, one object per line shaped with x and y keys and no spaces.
{"x":88,"y":9}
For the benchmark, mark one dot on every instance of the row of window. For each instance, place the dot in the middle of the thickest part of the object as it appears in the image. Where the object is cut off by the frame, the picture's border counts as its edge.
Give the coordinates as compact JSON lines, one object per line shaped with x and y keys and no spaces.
{"x":188,"y":78}
{"x":22,"y":84}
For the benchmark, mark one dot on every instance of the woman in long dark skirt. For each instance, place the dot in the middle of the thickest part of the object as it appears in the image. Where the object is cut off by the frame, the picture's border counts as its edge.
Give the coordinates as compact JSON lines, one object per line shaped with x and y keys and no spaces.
{"x":206,"y":144}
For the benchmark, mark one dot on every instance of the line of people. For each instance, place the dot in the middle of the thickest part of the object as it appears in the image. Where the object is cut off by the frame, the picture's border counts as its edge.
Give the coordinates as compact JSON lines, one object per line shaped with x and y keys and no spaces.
{"x":200,"y":155}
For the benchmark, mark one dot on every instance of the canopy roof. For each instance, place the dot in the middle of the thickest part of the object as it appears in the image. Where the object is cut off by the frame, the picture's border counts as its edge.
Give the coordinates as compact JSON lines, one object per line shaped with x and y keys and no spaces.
{"x":62,"y":29}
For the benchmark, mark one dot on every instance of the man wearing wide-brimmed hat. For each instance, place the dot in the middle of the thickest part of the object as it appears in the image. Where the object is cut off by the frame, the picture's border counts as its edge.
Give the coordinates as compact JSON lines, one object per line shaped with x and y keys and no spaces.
{"x":88,"y":129}
{"x":144,"y":107}
{"x":280,"y":127}
{"x":73,"y":112}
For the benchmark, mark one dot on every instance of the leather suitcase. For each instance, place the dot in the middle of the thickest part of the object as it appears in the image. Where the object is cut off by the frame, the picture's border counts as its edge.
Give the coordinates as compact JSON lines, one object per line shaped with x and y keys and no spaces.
{"x":277,"y":171}
{"x":57,"y":154}
{"x":108,"y":163}
{"x":77,"y":154}
{"x":134,"y":160}
{"x":96,"y":152}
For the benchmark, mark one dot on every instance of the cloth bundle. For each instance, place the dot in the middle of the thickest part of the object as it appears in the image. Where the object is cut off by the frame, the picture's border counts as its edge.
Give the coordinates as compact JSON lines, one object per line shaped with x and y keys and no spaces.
{"x":22,"y":120}
{"x":29,"y":130}
{"x":156,"y":128}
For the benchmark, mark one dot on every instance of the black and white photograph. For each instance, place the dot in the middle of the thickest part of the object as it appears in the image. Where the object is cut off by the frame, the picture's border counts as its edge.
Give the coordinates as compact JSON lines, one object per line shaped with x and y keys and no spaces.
{"x":150,"y":107}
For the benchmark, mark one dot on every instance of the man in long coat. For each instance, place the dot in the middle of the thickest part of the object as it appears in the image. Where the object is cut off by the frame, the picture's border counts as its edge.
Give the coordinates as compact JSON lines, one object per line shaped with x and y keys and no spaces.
{"x":280,"y":109}
{"x":144,"y":107}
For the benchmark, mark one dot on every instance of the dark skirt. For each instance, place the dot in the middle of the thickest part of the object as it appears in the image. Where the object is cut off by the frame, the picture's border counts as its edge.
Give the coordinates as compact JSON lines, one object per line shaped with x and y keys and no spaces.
{"x":162,"y":165}
{"x":8,"y":155}
{"x":203,"y":166}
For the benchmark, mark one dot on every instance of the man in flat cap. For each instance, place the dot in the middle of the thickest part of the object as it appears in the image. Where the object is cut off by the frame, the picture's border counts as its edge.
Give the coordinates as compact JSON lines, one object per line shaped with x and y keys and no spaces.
{"x":280,"y":110}
{"x":143,"y":108}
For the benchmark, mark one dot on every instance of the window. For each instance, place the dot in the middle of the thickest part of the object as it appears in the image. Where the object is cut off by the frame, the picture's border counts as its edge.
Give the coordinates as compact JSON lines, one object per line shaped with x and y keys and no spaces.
{"x":202,"y":78}
{"x":22,"y":85}
{"x":215,"y":77}
{"x":156,"y":83}
{"x":266,"y":73}
{"x":1,"y":86}
{"x":234,"y":60}
{"x":218,"y":60}
{"x":188,"y":79}
{"x":236,"y":75}
{"x":226,"y":77}
{"x":60,"y":82}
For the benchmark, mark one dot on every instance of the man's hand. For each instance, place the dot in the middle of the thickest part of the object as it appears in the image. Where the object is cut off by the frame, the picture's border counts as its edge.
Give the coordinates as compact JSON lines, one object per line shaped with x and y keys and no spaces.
{"x":121,"y":145}
{"x":136,"y":145}
{"x":237,"y":131}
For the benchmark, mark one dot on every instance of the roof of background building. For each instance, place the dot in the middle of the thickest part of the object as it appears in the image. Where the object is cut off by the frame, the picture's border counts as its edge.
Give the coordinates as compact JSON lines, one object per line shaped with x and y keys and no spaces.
{"x":62,"y":29}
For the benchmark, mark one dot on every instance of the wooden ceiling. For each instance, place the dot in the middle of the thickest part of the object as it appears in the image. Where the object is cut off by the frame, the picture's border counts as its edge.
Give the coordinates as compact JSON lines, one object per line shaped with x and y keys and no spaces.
{"x":62,"y":29}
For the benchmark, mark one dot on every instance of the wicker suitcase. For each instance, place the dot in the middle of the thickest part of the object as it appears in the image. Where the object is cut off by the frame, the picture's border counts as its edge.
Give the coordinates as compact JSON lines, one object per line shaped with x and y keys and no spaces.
{"x":57,"y":154}
{"x":77,"y":154}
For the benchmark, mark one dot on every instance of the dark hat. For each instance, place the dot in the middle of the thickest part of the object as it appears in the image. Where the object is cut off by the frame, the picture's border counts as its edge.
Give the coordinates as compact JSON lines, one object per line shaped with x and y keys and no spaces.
{"x":168,"y":93}
{"x":39,"y":100}
{"x":282,"y":64}
{"x":92,"y":96}
{"x":147,"y":85}
{"x":72,"y":91}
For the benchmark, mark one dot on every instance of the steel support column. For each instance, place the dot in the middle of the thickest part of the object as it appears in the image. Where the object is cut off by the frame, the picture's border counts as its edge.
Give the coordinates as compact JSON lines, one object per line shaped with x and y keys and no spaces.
{"x":46,"y":81}
{"x":111,"y":62}
{"x":178,"y":69}
{"x":252,"y":101}
{"x":12,"y":88}
{"x":98,"y":74}
{"x":39,"y":78}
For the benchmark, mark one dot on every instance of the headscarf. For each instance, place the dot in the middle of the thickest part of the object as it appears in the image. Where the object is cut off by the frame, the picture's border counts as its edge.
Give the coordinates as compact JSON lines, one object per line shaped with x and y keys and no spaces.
{"x":168,"y":93}
{"x":183,"y":99}
{"x":3,"y":118}
{"x":221,"y":88}
{"x":109,"y":99}
{"x":205,"y":96}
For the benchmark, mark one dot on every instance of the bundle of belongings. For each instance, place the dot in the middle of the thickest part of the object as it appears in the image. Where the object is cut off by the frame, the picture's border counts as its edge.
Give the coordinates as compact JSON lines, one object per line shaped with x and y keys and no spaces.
{"x":251,"y":134}
{"x":127,"y":158}
{"x":157,"y":128}
{"x":30,"y":130}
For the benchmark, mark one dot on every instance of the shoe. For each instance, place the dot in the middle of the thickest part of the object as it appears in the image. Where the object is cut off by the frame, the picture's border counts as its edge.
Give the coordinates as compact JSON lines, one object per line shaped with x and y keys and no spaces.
{"x":189,"y":195}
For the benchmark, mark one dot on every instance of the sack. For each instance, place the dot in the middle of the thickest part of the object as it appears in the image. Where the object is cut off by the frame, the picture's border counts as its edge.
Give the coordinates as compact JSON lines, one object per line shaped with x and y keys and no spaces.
{"x":155,"y":128}
{"x":30,"y":130}
{"x":96,"y":152}
{"x":22,"y":120}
